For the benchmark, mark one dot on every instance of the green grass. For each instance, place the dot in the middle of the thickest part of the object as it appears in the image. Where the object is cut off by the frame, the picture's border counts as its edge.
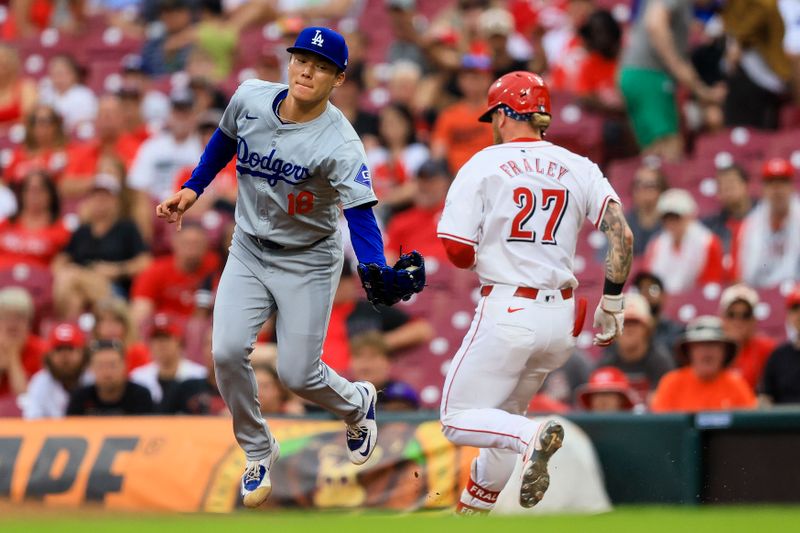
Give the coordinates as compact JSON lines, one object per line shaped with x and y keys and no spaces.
{"x":624,"y":519}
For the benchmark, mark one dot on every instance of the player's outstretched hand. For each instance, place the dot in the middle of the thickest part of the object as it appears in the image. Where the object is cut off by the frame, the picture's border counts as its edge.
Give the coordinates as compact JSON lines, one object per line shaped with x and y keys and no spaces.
{"x":176,"y":205}
{"x":608,"y":317}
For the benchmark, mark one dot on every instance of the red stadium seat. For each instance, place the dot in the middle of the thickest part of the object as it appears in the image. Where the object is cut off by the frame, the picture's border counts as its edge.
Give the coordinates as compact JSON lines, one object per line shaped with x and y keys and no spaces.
{"x":743,"y":143}
{"x":701,"y":301}
{"x":8,"y":407}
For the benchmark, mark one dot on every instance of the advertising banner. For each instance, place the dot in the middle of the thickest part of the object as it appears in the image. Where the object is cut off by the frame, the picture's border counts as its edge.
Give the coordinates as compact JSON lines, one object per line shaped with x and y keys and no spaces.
{"x":189,"y":464}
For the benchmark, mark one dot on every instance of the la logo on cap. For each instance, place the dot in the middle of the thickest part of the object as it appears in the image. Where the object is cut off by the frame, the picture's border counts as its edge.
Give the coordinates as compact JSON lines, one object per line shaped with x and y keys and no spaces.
{"x":318,"y":40}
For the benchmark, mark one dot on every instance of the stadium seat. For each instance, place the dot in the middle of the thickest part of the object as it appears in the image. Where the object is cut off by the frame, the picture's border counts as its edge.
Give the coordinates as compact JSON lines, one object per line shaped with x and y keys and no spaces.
{"x":8,"y":407}
{"x":686,"y":306}
{"x":744,"y":143}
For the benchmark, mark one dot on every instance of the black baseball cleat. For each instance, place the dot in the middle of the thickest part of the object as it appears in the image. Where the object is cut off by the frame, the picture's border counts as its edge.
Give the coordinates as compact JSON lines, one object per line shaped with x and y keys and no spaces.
{"x":535,"y":478}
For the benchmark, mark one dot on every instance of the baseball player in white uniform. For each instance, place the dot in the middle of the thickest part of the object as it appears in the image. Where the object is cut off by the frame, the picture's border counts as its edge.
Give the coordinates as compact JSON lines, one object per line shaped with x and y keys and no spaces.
{"x":297,"y":160}
{"x":513,"y":214}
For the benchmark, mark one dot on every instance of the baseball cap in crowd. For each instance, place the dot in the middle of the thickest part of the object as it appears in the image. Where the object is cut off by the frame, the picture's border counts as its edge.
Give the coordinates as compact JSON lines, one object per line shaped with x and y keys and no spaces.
{"x":324,"y":42}
{"x":401,"y":393}
{"x":106,"y":182}
{"x":132,"y":63}
{"x":705,"y":329}
{"x":496,"y":21}
{"x":793,"y":298}
{"x":433,"y":168}
{"x":607,"y":379}
{"x":479,"y":62}
{"x":402,"y":5}
{"x":165,"y":326}
{"x":181,"y":98}
{"x":637,"y":309}
{"x":738,"y":293}
{"x":677,"y":202}
{"x":777,"y":169}
{"x":66,"y":335}
{"x":129,"y":91}
{"x":209,"y":118}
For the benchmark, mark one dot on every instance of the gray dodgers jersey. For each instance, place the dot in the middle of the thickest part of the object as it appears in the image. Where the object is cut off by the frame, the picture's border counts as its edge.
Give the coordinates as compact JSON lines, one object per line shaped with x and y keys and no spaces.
{"x":279,"y":166}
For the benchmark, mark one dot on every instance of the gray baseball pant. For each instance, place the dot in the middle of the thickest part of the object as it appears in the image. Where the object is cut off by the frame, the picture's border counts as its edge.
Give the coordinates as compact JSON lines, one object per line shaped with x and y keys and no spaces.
{"x":298,"y":284}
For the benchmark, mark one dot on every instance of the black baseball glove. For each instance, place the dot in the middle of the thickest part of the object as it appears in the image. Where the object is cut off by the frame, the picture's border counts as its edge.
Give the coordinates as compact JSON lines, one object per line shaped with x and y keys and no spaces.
{"x":388,"y":285}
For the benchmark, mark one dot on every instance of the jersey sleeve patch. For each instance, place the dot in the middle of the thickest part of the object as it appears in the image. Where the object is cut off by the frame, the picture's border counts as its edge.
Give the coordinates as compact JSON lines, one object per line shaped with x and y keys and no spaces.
{"x":363,"y":176}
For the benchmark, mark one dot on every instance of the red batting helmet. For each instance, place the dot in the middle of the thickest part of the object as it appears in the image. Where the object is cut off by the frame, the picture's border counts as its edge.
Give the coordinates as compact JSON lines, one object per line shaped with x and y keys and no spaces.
{"x":524,"y":92}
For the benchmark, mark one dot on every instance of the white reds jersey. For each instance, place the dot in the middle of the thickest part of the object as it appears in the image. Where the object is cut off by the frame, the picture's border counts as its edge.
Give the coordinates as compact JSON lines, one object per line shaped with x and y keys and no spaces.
{"x":522,"y":204}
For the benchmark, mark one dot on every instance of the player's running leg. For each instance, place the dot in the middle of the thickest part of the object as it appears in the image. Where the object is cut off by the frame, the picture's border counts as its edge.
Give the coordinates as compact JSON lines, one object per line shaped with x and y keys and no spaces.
{"x":500,"y":365}
{"x":303,"y":284}
{"x":242,"y":305}
{"x":493,"y":467}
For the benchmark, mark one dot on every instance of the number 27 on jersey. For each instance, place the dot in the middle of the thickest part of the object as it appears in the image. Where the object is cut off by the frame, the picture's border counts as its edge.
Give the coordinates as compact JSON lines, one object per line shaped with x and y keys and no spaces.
{"x":553,"y":204}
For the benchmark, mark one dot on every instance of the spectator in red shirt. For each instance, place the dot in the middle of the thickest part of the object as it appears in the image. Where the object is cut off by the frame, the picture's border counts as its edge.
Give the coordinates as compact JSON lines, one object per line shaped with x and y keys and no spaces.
{"x":737,"y":307}
{"x":458,"y":134}
{"x":130,"y":100}
{"x":398,"y":157}
{"x":35,"y":235}
{"x":596,"y":82}
{"x":21,"y":352}
{"x":113,"y":323}
{"x":415,"y":228}
{"x":685,"y":254}
{"x":44,"y":147}
{"x":170,"y":284}
{"x":110,"y":140}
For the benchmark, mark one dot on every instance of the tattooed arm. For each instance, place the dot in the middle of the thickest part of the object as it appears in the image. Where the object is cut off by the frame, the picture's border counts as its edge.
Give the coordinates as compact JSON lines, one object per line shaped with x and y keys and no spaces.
{"x":609,"y":315}
{"x":620,"y":245}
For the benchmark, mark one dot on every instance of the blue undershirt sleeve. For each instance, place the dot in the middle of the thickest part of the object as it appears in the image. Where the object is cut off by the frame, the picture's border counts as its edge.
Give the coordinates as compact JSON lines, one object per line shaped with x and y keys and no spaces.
{"x":365,"y":235}
{"x":219,"y":151}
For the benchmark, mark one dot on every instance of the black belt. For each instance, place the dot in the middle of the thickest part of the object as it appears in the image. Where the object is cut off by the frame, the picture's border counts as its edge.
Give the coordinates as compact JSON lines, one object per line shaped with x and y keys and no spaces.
{"x":272,"y":245}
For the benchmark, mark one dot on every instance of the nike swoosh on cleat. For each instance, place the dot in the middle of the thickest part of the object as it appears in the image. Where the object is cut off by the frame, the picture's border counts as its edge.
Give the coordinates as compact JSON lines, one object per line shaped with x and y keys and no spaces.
{"x":248,"y":117}
{"x":514,"y":309}
{"x":365,"y":452}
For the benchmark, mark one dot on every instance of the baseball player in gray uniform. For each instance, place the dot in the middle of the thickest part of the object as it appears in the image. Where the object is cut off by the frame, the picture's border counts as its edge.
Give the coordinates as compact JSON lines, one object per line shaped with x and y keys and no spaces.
{"x":297,"y":160}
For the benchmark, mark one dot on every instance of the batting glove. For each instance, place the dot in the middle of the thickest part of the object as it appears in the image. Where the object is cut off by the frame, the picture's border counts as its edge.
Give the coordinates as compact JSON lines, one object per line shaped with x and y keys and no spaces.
{"x":608,"y":317}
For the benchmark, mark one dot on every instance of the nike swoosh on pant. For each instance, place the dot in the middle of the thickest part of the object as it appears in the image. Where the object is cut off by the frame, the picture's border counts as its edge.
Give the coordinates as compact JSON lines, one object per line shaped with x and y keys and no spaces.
{"x":515,"y":309}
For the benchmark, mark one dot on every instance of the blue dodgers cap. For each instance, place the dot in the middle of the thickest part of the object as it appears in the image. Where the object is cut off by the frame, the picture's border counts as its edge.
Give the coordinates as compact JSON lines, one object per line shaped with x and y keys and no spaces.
{"x":324,"y":42}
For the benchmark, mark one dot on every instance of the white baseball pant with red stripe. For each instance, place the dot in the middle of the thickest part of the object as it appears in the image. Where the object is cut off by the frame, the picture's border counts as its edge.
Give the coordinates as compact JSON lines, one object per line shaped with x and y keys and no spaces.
{"x":511,"y":346}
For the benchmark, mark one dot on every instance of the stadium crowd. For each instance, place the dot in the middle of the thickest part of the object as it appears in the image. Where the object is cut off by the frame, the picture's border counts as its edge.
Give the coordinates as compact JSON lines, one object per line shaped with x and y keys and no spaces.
{"x":690,"y":107}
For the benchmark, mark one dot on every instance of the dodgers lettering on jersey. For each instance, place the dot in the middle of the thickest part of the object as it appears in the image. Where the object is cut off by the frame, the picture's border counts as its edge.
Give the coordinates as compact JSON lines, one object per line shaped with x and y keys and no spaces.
{"x":293,"y":176}
{"x":522,"y":204}
{"x":269,"y":167}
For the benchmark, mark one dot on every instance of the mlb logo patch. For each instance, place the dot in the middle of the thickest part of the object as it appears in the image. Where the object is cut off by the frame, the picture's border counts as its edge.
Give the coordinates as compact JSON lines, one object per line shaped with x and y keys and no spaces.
{"x":363,"y":177}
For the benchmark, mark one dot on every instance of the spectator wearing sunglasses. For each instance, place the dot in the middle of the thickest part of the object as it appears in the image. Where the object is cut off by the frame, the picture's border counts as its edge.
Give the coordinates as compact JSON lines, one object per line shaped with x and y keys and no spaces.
{"x":781,"y":380}
{"x":737,"y":309}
